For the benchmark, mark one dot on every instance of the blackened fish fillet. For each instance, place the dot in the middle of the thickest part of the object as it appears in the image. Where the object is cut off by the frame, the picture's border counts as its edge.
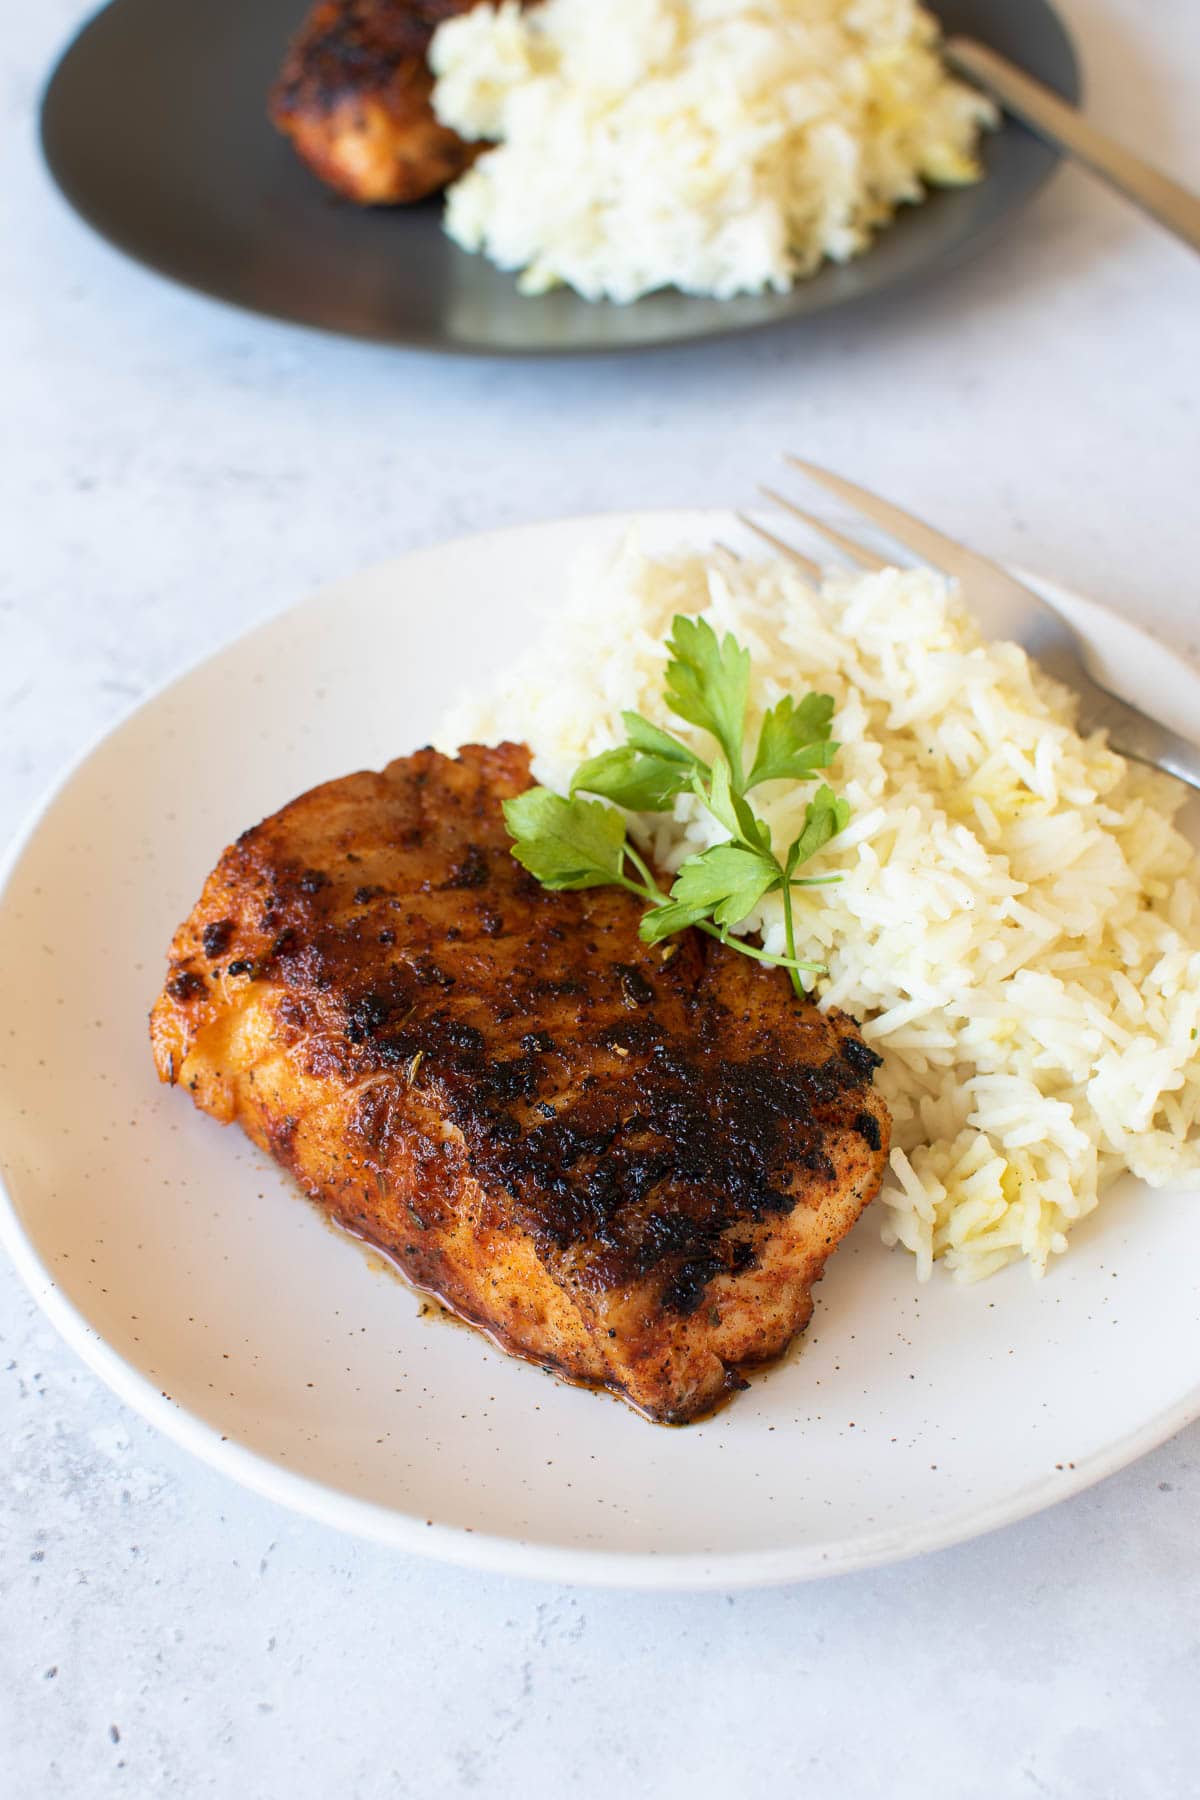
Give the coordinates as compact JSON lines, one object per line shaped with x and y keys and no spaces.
{"x":628,"y":1163}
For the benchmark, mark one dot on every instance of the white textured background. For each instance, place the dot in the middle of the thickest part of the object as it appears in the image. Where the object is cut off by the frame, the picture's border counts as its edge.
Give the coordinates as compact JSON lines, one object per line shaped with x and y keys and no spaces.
{"x":170,"y":472}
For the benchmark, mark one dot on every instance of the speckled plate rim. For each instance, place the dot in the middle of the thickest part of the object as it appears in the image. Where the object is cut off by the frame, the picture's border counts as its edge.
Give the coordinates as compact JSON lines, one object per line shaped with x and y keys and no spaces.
{"x":1116,"y":641}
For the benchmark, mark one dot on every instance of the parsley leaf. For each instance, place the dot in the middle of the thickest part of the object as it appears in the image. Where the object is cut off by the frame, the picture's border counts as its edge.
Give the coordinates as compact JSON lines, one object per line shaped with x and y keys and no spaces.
{"x":645,"y":773}
{"x":664,"y":921}
{"x":730,"y":809}
{"x":566,"y":843}
{"x":824,"y":816}
{"x":708,"y":683}
{"x":632,"y":779}
{"x":794,"y":740}
{"x":728,"y":880}
{"x":655,"y":742}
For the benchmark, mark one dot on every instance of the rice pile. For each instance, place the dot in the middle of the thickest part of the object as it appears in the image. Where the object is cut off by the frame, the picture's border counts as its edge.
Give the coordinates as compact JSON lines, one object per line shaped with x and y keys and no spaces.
{"x":1017,"y":924}
{"x":719,"y":146}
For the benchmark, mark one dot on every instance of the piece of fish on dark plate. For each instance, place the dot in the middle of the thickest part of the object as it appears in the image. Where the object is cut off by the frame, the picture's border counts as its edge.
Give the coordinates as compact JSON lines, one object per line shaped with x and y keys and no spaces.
{"x":354,"y":96}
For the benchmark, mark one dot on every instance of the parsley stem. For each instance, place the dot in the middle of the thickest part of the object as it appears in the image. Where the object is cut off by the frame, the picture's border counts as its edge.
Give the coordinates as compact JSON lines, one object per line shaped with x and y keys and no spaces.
{"x":655,"y":896}
{"x":789,"y":930}
{"x":762,"y":956}
{"x":652,"y":886}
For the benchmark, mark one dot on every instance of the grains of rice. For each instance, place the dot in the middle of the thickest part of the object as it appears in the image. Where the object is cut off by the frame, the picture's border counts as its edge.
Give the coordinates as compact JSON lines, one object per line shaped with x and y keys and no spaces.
{"x":719,"y":146}
{"x":1017,"y":921}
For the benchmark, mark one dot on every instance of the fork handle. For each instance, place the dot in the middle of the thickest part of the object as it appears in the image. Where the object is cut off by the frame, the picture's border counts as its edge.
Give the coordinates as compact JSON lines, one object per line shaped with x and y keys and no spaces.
{"x":1168,"y":201}
{"x":1138,"y":737}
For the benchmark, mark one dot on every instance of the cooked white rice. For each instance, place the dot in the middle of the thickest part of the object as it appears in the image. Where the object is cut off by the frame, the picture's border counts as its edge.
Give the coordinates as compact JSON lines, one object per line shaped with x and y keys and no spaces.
{"x":719,"y":146}
{"x":1017,"y":924}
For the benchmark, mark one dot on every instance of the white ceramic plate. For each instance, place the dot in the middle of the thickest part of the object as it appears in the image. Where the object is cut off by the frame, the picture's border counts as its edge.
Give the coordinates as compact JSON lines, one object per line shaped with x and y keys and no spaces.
{"x":194,"y":1281}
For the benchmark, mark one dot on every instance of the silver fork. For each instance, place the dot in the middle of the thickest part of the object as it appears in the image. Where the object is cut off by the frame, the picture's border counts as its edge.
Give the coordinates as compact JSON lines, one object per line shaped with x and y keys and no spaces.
{"x":1005,"y":607}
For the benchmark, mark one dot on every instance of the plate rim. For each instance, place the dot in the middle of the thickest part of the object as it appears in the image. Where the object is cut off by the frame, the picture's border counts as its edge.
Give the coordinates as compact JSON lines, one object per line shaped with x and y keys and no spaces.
{"x":690,"y":1571}
{"x":428,"y":343}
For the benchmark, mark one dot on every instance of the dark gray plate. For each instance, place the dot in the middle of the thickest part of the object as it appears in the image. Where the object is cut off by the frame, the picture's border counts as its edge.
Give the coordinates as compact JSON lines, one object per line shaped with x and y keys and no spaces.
{"x":154,"y":127}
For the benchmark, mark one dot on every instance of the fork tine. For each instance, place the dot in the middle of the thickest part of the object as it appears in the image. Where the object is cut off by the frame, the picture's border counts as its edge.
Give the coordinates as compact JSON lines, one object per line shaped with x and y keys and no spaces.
{"x":858,"y":552}
{"x":942,"y":552}
{"x":811,"y":569}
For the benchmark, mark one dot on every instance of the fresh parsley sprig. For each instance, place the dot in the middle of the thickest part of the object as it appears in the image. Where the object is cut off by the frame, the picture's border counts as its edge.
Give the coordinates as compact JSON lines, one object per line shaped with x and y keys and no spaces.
{"x":571,"y":842}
